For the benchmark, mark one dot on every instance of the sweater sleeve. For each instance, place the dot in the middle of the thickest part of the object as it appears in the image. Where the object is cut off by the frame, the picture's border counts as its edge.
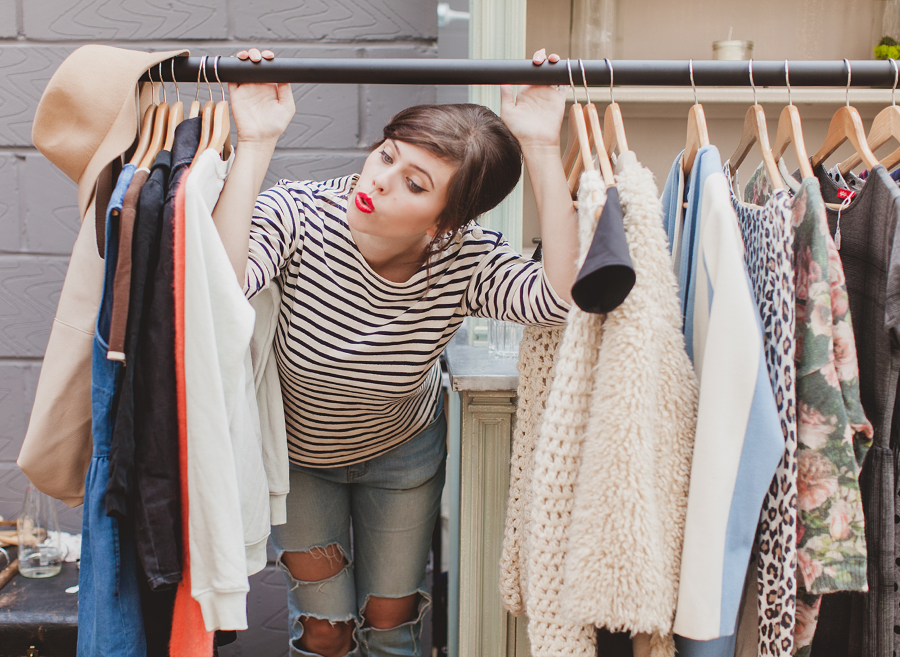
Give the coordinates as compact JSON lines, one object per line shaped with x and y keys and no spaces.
{"x":276,"y":232}
{"x":512,"y":288}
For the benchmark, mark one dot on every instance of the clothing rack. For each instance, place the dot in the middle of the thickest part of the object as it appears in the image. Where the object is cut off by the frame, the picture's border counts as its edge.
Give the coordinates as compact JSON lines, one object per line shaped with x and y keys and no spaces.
{"x":706,"y":73}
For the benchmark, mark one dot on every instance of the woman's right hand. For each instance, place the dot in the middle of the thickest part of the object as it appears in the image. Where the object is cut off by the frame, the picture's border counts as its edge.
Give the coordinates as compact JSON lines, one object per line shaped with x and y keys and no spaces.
{"x":261,"y":110}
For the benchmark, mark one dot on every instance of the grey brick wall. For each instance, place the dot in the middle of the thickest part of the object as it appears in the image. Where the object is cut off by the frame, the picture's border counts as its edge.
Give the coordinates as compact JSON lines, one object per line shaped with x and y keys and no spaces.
{"x":38,"y":209}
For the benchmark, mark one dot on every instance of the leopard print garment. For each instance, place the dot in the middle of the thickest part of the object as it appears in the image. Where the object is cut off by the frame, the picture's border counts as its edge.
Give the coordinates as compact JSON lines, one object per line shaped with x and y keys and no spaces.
{"x":769,"y":256}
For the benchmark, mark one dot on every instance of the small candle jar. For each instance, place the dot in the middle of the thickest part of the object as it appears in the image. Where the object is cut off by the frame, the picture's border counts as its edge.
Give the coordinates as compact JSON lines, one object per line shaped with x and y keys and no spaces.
{"x":732,"y":50}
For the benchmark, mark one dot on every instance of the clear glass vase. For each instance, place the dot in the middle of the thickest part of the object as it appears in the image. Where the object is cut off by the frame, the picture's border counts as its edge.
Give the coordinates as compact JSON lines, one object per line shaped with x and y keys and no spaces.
{"x":40,"y":552}
{"x":504,"y":338}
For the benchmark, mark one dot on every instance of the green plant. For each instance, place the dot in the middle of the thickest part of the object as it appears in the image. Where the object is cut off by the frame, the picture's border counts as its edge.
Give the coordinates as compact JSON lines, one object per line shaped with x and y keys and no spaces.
{"x":887,"y":48}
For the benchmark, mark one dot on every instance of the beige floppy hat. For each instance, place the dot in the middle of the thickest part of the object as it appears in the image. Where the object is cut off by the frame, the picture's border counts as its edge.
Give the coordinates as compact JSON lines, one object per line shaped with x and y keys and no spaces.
{"x":88,"y":114}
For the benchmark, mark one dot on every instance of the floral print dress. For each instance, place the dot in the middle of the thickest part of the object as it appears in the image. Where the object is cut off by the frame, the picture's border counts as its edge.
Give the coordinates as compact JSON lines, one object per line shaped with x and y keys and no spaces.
{"x":833,"y":431}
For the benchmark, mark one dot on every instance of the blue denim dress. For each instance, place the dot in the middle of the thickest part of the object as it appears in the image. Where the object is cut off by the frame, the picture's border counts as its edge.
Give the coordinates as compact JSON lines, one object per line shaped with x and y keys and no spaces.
{"x":109,"y":604}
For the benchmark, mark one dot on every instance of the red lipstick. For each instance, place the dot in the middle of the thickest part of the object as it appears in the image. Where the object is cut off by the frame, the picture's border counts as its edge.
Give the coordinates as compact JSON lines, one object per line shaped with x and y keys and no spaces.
{"x":364,"y":203}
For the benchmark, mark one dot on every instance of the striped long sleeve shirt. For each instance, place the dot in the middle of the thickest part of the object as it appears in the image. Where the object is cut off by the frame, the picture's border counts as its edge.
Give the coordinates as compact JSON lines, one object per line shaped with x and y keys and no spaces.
{"x":357,"y":354}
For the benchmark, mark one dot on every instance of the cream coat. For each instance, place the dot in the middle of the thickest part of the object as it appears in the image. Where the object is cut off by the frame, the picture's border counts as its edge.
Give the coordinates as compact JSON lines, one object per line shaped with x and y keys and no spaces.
{"x":612,"y":461}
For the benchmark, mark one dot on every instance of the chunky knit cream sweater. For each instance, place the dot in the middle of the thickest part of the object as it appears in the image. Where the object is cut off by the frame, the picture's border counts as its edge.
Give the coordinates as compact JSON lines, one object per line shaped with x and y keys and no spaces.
{"x":593,"y":535}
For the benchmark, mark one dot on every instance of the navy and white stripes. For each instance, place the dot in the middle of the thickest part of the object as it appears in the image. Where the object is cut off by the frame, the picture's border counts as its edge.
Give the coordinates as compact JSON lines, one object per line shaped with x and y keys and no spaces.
{"x":357,"y":354}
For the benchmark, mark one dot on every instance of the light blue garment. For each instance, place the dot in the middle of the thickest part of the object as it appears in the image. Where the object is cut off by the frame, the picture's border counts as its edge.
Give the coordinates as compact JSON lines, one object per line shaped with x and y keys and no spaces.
{"x":684,"y":232}
{"x":110,"y":622}
{"x":393,"y":501}
{"x":739,"y":441}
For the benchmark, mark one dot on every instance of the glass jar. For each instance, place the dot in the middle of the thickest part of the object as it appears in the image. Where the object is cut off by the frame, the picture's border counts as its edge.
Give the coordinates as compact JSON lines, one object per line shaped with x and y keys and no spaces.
{"x":40,"y":552}
{"x":504,"y":339}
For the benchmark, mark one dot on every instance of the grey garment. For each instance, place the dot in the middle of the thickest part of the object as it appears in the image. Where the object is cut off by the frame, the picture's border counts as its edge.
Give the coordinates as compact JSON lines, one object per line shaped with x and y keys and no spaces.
{"x":862,"y":624}
{"x":607,"y":275}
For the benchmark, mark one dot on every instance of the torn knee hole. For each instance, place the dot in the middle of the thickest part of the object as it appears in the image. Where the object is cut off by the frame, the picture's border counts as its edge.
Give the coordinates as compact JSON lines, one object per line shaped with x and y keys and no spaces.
{"x":325,"y":626}
{"x":387,"y":613}
{"x":317,"y":564}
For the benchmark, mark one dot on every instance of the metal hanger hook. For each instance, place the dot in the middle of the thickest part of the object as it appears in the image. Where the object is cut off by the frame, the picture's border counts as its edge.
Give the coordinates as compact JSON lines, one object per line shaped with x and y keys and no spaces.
{"x":787,"y":81}
{"x":693,"y":86}
{"x":177,"y":93}
{"x":584,"y":80}
{"x":849,"y":77}
{"x":896,"y":75}
{"x":163,"y":84}
{"x":199,"y":68}
{"x":571,"y":81}
{"x":206,"y":79}
{"x":216,"y":70}
{"x":752,"y":85}
{"x":609,"y":65}
{"x":152,"y":86}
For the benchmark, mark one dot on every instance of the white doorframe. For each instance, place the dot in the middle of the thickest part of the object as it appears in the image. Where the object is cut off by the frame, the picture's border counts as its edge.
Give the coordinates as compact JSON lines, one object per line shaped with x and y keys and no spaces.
{"x":497,"y":31}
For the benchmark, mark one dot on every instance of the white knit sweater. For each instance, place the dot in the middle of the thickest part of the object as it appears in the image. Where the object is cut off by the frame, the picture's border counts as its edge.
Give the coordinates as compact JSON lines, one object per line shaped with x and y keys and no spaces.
{"x":537,"y":355}
{"x":601,"y":529}
{"x":557,"y":457}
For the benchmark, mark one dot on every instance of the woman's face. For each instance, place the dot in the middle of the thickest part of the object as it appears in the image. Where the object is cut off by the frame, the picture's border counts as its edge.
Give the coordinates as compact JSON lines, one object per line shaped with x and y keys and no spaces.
{"x":400,"y":193}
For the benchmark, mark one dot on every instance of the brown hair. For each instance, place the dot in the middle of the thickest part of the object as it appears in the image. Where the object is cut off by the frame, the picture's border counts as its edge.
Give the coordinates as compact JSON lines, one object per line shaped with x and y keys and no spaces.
{"x":474,"y":139}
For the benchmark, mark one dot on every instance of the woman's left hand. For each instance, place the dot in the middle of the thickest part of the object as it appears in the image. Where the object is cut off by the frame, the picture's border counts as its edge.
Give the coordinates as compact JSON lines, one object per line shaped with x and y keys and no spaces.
{"x":535,"y":114}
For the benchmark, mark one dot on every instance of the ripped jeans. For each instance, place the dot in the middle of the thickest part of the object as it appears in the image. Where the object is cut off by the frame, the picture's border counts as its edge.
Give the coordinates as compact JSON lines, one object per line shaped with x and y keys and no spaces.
{"x":392,"y":501}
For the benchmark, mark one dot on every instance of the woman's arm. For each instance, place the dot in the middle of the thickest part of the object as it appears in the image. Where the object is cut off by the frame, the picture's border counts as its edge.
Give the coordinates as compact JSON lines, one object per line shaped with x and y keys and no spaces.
{"x":261,"y":113}
{"x":535,"y":117}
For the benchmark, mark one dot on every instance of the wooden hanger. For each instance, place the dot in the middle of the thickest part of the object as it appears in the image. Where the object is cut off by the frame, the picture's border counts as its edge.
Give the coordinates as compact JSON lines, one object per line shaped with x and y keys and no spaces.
{"x":697,"y":134}
{"x":146,"y":126}
{"x":207,"y":118}
{"x":578,"y":146}
{"x":146,"y":133}
{"x":221,"y":134}
{"x":846,"y":125}
{"x":595,"y":135}
{"x":885,"y":127}
{"x":220,"y":139}
{"x":756,"y":132}
{"x":790,"y":132}
{"x":158,"y":136}
{"x":176,"y":112}
{"x":613,"y":124}
{"x":588,"y":134}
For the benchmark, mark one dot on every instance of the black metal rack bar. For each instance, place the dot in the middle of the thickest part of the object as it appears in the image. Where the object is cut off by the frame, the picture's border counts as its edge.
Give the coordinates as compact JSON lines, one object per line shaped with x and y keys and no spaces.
{"x":865,"y":73}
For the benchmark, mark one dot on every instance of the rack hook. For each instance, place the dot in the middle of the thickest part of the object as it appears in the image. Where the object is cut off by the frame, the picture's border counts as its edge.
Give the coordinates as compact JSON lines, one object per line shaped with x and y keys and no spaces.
{"x":177,"y":93}
{"x":571,"y":81}
{"x":216,"y":70}
{"x":693,"y":86}
{"x":152,"y":86}
{"x":752,"y":85}
{"x":609,"y":65}
{"x":163,"y":84}
{"x":584,"y":81}
{"x":199,"y":68}
{"x":787,"y":81}
{"x":206,"y":79}
{"x":896,"y":75}
{"x":849,"y":77}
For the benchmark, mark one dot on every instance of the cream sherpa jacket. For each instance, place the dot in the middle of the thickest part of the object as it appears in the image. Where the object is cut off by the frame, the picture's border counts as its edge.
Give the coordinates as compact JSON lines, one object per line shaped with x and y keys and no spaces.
{"x":610,"y":468}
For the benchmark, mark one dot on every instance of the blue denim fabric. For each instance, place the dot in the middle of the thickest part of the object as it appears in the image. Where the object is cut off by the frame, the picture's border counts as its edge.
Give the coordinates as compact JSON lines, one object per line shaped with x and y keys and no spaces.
{"x":392,"y":502}
{"x":109,"y":605}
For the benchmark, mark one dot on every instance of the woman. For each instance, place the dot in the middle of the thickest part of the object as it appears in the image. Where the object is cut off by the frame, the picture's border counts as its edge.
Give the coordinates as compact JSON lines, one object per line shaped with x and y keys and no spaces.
{"x":377,"y":272}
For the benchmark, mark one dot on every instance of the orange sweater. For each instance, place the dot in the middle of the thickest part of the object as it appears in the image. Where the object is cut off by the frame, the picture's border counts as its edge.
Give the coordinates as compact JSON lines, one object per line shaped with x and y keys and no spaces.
{"x":189,"y":635}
